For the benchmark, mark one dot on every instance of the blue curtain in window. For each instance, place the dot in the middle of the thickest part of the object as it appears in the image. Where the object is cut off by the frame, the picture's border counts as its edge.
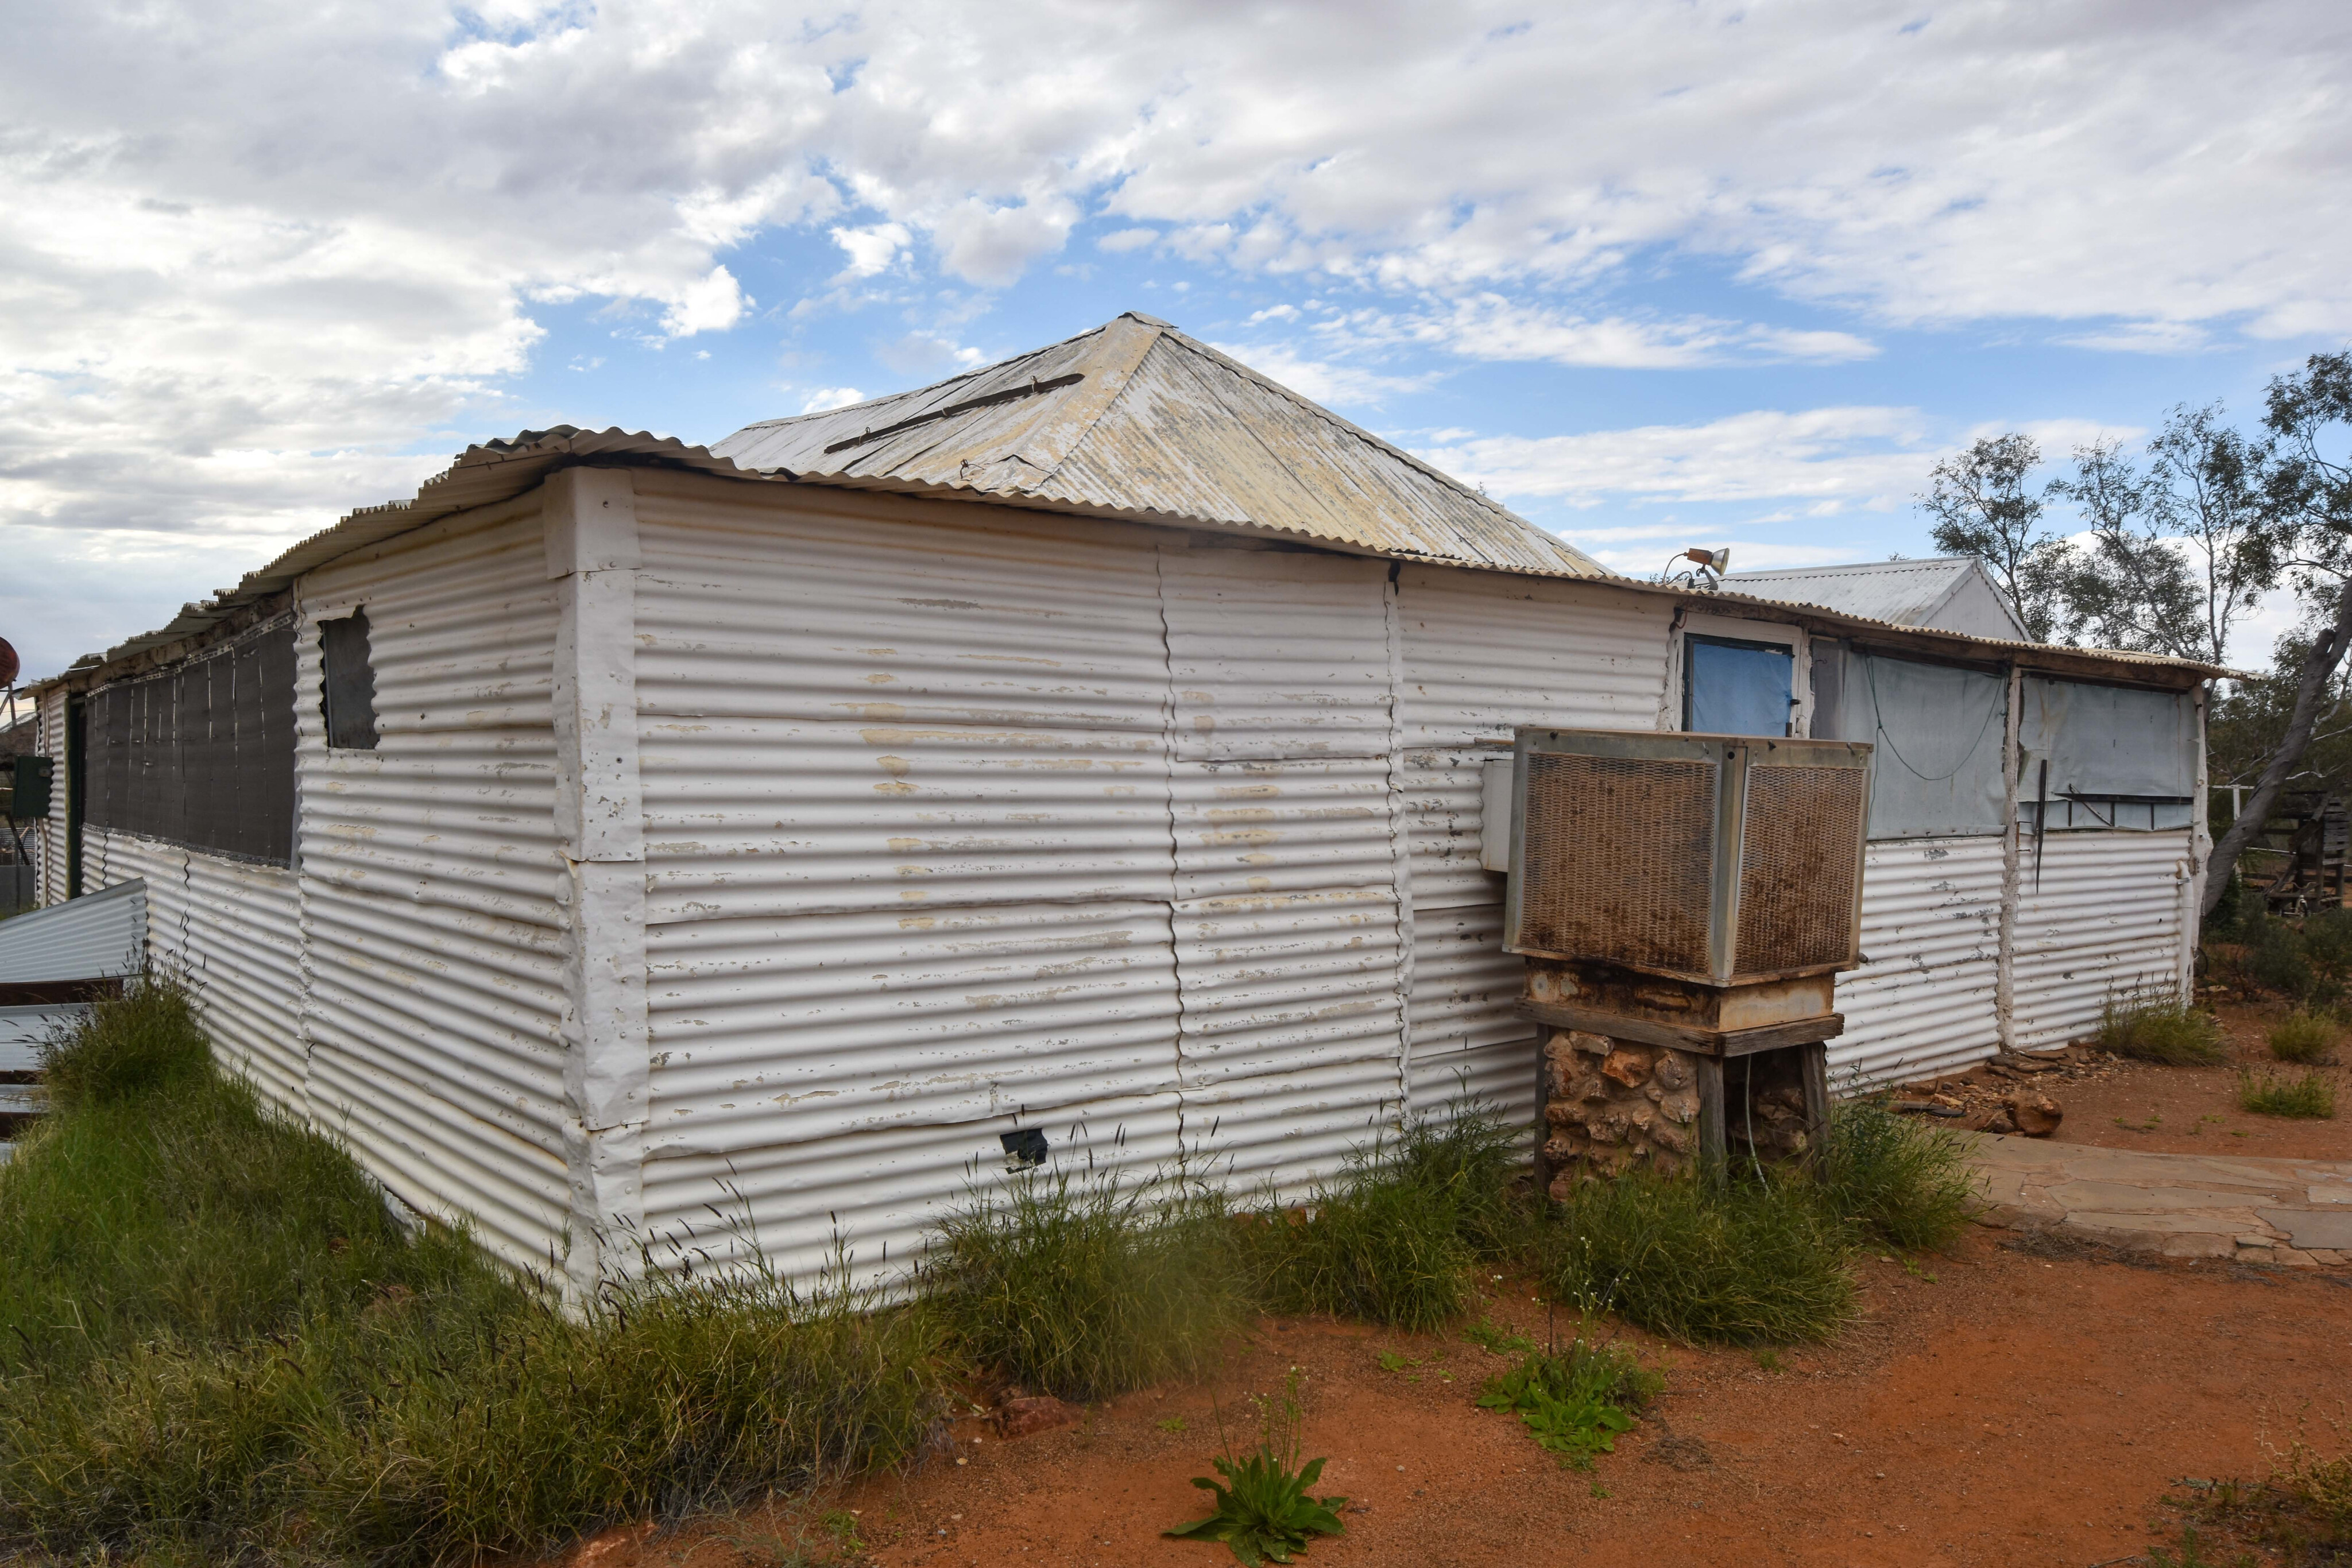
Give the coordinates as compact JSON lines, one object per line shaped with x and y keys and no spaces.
{"x":1736,"y":689}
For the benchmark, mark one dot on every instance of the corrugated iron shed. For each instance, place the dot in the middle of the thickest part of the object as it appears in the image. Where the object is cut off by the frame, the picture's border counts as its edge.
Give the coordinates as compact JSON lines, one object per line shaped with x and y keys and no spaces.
{"x":1137,"y":419}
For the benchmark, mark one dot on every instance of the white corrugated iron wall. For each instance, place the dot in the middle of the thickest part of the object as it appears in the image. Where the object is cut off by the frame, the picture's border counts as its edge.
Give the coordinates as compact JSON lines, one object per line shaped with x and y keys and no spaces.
{"x":2102,"y":914}
{"x":431,"y":885}
{"x":1290,"y":946}
{"x":229,"y":928}
{"x":1923,"y":1003}
{"x":1482,"y":654}
{"x":908,"y":857}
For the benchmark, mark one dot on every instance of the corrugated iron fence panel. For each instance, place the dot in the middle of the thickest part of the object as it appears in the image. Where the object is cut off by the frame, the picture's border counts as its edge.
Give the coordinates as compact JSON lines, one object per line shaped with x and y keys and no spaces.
{"x":1483,"y":656}
{"x":431,"y":884}
{"x":908,"y":848}
{"x":88,"y":938}
{"x":1931,"y":931}
{"x":2102,"y":915}
{"x":1289,"y":941}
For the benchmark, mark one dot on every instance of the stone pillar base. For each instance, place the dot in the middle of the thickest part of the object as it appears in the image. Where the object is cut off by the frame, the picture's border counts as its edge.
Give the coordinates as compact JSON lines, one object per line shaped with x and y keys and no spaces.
{"x":1612,"y":1104}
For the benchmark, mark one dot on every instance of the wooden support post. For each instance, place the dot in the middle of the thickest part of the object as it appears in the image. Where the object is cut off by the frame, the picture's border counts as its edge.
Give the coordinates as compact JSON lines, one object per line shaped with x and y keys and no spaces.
{"x":1813,"y":1061}
{"x":1712,"y":1155}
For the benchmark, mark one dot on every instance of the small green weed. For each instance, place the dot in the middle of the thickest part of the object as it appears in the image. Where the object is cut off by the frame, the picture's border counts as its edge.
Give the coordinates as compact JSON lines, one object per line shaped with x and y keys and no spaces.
{"x":2147,"y":1025}
{"x":1264,"y":1511}
{"x":2320,"y":1482}
{"x":2150,"y":1126}
{"x":1574,"y":1404}
{"x":2304,"y":1037}
{"x":1170,"y":1424}
{"x":841,"y":1525}
{"x":1770,"y":1361}
{"x":2311,"y":1095}
{"x":1496,"y":1341}
{"x":1392,"y":1362}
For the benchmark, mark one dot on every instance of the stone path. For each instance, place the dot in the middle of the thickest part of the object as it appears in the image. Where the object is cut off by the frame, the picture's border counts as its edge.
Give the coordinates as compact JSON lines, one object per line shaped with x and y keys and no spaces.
{"x":2292,"y":1212}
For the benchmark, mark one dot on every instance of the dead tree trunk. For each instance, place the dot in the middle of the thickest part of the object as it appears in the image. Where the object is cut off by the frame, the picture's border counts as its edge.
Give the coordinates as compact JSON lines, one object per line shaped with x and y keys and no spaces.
{"x":2319,"y":666}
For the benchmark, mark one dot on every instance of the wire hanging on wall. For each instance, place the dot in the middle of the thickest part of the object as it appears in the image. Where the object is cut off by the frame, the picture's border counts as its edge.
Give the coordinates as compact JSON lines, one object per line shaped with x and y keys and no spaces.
{"x":1878,"y":727}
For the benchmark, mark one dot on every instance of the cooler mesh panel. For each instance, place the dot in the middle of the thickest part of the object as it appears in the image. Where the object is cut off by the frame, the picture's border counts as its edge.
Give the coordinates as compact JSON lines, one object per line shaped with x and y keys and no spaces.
{"x":1797,"y":868}
{"x":1616,"y":857}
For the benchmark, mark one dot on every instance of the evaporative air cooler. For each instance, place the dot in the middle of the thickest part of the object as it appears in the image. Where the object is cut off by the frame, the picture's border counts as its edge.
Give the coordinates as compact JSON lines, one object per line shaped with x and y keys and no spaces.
{"x":1696,"y":893}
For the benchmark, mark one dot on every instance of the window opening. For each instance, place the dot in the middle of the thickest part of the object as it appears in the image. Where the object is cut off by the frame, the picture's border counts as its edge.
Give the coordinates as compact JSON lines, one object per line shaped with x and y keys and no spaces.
{"x":1734,"y":687}
{"x":348,"y":684}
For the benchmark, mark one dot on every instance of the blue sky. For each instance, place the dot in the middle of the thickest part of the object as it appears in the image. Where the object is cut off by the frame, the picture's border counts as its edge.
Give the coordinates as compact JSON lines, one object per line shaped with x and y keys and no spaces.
{"x":1655,"y":275}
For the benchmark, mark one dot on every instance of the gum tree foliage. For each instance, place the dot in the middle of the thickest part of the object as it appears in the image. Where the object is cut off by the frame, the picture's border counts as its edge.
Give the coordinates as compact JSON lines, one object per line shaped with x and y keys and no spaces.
{"x":2175,"y":547}
{"x":2307,"y":497}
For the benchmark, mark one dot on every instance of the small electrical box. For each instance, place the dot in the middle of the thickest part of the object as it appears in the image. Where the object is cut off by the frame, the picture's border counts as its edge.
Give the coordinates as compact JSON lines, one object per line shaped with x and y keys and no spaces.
{"x":28,"y":794}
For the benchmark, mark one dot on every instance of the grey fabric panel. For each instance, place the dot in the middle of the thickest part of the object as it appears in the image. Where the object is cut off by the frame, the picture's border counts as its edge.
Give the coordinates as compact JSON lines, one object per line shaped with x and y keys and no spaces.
{"x":1936,"y":733}
{"x":201,"y":755}
{"x":2110,"y":740}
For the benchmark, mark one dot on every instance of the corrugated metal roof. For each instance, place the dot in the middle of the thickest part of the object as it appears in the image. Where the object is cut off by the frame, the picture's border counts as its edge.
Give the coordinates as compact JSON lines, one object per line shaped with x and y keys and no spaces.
{"x":1906,"y":592}
{"x":1137,"y":419}
{"x":1132,"y":421}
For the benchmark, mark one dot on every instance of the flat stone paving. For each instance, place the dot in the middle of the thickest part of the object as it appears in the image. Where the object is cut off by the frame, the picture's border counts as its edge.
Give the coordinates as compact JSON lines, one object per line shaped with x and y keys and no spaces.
{"x":2297,"y":1212}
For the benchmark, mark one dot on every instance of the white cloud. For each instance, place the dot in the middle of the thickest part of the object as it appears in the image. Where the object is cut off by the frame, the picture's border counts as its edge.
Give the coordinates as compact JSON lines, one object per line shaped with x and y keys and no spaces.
{"x":319,"y":234}
{"x":1489,"y":326}
{"x":872,"y":248}
{"x":826,"y":398}
{"x":1836,"y":458}
{"x":1319,"y":380}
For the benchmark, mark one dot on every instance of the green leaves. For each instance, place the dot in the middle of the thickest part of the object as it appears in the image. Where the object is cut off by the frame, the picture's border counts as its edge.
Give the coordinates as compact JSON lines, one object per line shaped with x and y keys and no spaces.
{"x":1263,"y":1512}
{"x":1573,"y":1404}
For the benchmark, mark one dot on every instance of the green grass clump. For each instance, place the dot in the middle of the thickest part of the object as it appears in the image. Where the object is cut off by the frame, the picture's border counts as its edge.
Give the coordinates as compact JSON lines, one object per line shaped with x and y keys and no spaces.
{"x":2311,"y":1095}
{"x":2302,"y":1037}
{"x":1737,"y":1262}
{"x":1575,"y":1403}
{"x":161,"y":1200}
{"x":1904,"y":1181}
{"x":2149,"y":1027}
{"x":1087,"y":1285}
{"x":1393,"y":1240}
{"x":215,"y":1344}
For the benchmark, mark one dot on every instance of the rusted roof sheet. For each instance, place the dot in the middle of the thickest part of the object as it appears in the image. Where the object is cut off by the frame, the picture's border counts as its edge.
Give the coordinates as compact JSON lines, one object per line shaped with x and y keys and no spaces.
{"x":1136,"y":419}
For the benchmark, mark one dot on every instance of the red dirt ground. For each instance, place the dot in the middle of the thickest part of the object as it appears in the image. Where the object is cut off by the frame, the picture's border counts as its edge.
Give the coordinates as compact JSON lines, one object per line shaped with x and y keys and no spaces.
{"x":2026,"y":1407}
{"x":2195,"y":1109}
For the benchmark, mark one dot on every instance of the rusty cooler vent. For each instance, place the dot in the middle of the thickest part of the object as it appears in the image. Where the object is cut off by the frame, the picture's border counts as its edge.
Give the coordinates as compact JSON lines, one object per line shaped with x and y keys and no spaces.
{"x":1721,"y":859}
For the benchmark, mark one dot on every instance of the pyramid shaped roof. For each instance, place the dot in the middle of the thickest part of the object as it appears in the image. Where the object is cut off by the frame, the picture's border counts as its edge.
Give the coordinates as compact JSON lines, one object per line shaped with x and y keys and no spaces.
{"x":1135,"y":419}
